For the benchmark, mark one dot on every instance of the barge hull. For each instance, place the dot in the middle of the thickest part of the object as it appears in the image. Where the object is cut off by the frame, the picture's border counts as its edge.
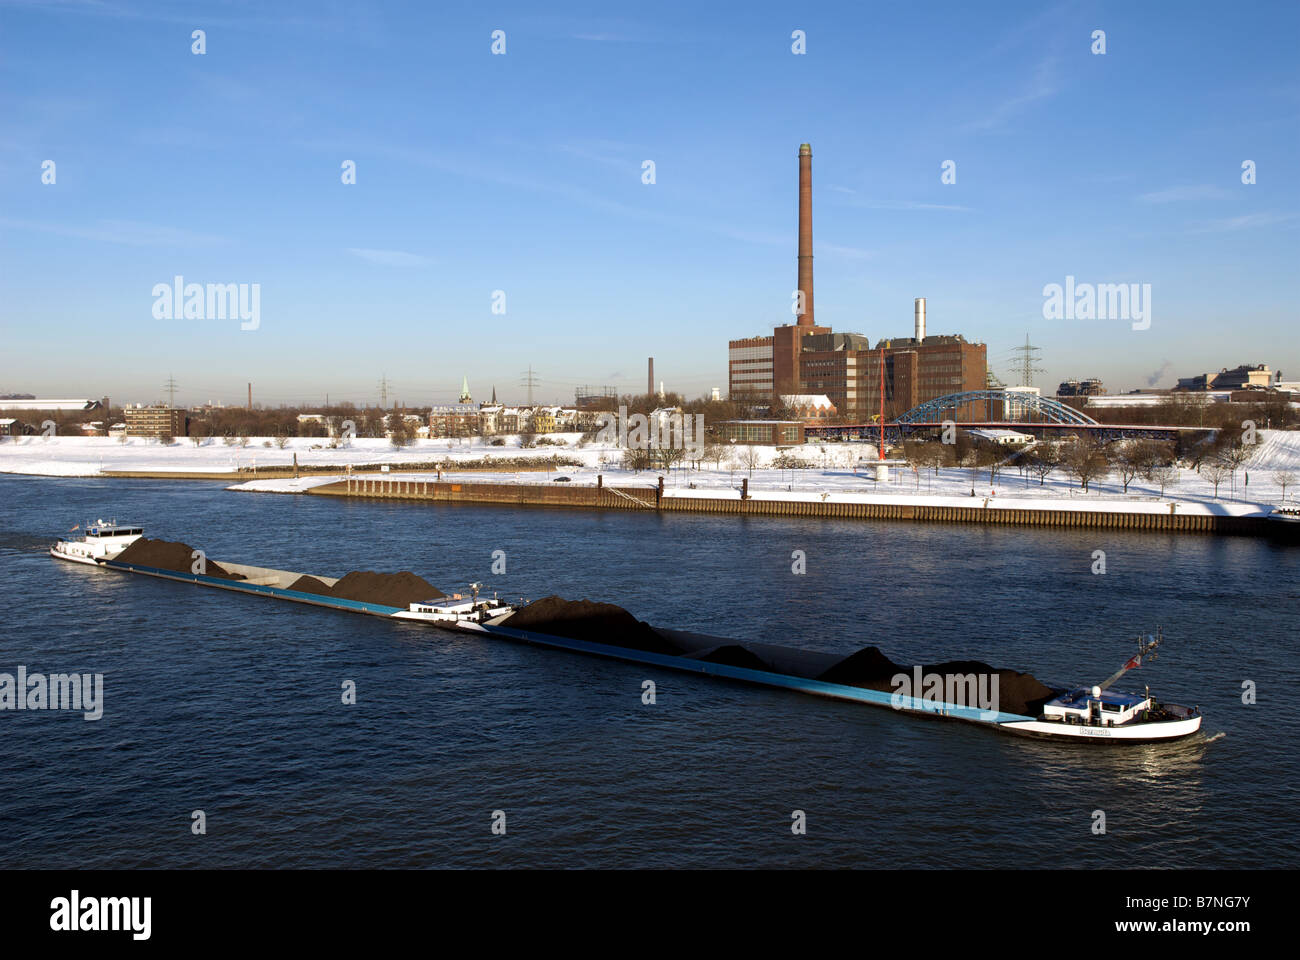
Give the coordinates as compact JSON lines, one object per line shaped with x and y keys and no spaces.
{"x":263,"y":582}
{"x":257,"y":589}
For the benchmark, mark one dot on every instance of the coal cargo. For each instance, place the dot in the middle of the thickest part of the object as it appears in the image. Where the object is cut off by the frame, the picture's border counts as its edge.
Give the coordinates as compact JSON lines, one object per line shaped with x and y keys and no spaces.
{"x":170,"y":555}
{"x":387,"y":589}
{"x":594,"y":622}
{"x":733,"y":655}
{"x":1019,"y":693}
{"x":309,"y":584}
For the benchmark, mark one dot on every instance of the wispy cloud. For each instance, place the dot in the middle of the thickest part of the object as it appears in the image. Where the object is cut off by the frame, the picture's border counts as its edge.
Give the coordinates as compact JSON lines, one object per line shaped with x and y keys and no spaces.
{"x":452,"y":164}
{"x":848,"y":253}
{"x":909,"y":205}
{"x":390,"y":258}
{"x":918,"y":205}
{"x":126,"y":232}
{"x":1178,"y":194}
{"x":344,"y":20}
{"x":1041,"y":86}
{"x":606,"y":37}
{"x":608,"y":152}
{"x":1248,"y":221}
{"x":598,"y":30}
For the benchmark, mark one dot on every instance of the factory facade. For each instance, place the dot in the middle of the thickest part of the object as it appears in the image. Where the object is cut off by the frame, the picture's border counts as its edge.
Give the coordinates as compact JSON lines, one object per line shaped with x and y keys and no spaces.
{"x":155,"y":420}
{"x":803,"y":358}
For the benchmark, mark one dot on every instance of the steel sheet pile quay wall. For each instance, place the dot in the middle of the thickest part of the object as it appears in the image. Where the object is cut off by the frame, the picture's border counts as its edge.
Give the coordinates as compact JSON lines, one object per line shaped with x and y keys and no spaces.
{"x":641,"y":498}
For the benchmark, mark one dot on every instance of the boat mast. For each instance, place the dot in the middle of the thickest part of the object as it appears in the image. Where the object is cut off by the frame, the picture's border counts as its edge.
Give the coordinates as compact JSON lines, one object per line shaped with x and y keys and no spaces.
{"x":1145,"y":651}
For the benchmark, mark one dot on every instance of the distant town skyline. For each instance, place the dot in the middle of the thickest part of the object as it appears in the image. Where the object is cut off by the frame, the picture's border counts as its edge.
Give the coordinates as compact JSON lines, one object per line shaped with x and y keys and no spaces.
{"x":518,"y":181}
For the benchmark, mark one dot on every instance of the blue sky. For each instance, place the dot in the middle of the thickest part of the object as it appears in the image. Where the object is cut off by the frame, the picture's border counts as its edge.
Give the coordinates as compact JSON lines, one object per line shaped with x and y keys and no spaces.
{"x":522,"y":173}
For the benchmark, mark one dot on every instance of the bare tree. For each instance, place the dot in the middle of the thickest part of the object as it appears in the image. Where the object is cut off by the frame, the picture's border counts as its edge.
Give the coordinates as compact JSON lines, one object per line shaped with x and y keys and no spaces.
{"x":1086,"y":461}
{"x":669,"y":456}
{"x":914,"y":451}
{"x":636,"y":459}
{"x":1043,"y":459}
{"x":1128,"y":464}
{"x":1237,"y":455}
{"x":1284,"y":479}
{"x":996,"y":461}
{"x":1166,"y":476}
{"x":1216,"y":472}
{"x":1150,"y":455}
{"x":399,"y":432}
{"x":970,"y":459}
{"x":750,"y":457}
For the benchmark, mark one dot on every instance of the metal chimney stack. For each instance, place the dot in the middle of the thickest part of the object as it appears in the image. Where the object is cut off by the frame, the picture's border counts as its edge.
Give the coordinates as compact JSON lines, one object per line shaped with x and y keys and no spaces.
{"x":920,"y":319}
{"x":650,"y":378}
{"x":805,"y":234}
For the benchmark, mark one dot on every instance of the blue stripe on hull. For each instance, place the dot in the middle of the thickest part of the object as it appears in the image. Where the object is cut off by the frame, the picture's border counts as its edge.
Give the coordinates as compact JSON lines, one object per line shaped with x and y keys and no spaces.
{"x":784,"y":681}
{"x":280,"y":593}
{"x":762,"y":677}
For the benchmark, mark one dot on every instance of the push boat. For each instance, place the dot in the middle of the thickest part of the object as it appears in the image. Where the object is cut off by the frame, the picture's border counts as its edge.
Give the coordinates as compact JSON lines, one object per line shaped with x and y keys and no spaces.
{"x":1097,"y":713}
{"x":1081,"y":714}
{"x":100,"y":543}
{"x":459,"y":609}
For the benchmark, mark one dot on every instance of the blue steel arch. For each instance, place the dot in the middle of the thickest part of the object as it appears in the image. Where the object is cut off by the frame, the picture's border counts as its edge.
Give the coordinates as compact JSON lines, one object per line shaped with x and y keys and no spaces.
{"x":1052,"y":411}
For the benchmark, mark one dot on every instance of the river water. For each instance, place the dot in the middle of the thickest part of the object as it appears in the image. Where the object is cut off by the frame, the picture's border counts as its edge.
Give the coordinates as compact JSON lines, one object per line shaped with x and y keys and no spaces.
{"x":232,"y":704}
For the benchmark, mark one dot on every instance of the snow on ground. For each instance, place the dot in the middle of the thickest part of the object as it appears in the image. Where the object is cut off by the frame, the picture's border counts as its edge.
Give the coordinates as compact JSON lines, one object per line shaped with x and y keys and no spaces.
{"x":832,"y":475}
{"x":290,"y":485}
{"x":89,"y":456}
{"x":1278,"y":450}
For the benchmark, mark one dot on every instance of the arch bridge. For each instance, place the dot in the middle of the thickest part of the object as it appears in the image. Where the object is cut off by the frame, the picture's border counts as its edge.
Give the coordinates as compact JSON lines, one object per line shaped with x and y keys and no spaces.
{"x":1046,"y":409}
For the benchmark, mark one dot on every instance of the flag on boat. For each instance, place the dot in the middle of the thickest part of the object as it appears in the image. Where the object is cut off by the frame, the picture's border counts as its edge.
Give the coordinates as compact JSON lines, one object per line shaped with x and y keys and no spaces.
{"x":1133,"y":664}
{"x":77,"y":527}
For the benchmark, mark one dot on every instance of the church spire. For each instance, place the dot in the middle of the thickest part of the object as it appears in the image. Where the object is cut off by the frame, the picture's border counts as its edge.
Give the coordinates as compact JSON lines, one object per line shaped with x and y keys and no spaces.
{"x":464,"y":391}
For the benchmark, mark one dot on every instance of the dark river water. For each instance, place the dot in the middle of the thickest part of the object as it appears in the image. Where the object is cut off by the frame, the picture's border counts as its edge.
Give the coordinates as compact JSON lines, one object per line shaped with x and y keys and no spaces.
{"x":231,"y":704}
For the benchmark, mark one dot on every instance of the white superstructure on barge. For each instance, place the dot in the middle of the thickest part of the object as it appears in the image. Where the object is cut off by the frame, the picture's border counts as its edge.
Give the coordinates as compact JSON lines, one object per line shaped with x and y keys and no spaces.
{"x":101,"y":541}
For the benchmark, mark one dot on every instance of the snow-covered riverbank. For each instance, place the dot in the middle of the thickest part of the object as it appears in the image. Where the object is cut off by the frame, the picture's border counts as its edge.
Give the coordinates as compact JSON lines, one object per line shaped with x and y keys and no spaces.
{"x":832,"y":477}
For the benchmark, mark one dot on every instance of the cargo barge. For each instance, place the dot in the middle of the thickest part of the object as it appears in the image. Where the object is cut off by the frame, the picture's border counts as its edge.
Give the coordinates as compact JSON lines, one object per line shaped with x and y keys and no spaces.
{"x":1090,"y":714}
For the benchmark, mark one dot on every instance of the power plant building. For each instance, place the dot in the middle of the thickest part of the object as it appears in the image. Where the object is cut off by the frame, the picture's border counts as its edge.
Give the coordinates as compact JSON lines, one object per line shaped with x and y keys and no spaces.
{"x":804,"y":358}
{"x":155,"y":421}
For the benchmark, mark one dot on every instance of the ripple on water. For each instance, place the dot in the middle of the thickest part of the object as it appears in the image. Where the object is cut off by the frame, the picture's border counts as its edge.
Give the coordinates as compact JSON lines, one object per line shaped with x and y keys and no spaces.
{"x":232,"y":705}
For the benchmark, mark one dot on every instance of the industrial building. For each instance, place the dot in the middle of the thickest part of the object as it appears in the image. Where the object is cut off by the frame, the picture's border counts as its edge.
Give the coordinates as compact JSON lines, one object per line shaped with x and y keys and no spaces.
{"x":155,"y":421}
{"x":1080,"y":388}
{"x":803,"y":358}
{"x":765,"y":432}
{"x":60,"y":405}
{"x":1243,"y":377}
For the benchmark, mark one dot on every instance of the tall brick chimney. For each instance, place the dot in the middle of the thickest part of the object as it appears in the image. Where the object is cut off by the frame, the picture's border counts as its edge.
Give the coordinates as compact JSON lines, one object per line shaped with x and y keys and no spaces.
{"x":805,"y":234}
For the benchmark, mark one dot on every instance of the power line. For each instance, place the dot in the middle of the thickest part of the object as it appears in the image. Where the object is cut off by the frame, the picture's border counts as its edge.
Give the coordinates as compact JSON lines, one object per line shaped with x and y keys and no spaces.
{"x":530,"y":380}
{"x":1026,"y":363}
